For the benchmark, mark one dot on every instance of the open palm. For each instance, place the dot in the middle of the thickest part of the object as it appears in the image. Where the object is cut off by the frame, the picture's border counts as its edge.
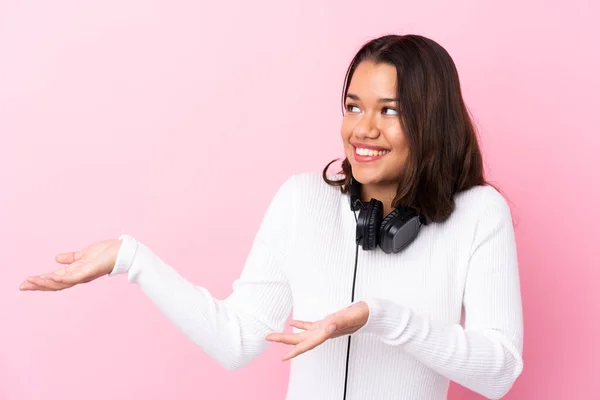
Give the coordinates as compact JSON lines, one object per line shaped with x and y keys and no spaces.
{"x":82,"y":266}
{"x":313,"y":334}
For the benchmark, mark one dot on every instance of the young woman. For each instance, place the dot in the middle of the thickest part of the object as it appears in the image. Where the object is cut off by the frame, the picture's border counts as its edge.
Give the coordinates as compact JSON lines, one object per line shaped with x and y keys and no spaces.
{"x":408,"y":249}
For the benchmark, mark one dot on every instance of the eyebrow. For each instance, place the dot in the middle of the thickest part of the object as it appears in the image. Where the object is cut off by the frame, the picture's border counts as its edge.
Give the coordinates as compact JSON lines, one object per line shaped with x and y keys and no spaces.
{"x":381,"y":100}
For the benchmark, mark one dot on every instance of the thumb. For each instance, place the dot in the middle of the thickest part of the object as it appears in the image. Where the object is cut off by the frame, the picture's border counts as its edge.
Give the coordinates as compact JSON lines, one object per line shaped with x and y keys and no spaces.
{"x":69,"y":257}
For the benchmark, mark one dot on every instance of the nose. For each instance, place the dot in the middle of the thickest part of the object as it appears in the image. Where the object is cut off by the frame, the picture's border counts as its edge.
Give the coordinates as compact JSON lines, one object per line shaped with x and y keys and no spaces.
{"x":366,"y":127}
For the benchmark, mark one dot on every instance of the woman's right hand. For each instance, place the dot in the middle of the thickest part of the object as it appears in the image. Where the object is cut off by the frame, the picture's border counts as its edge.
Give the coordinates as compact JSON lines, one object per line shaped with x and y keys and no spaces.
{"x":82,"y":266}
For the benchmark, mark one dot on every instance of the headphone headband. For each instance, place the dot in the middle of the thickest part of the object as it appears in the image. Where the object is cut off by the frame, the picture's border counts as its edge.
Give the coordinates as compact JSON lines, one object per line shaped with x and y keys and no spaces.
{"x":355,"y":194}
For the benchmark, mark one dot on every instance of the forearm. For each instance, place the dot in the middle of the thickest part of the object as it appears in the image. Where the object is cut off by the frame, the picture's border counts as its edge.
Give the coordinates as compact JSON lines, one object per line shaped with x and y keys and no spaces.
{"x":225,"y":329}
{"x":486,"y":361}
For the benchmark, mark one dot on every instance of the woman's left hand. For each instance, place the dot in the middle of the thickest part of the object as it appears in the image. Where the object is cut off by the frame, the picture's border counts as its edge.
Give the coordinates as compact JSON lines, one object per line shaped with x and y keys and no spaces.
{"x":343,"y":322}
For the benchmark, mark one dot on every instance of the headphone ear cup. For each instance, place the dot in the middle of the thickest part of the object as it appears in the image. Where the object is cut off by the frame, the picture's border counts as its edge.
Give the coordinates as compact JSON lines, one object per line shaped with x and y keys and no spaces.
{"x":373,"y":224}
{"x":398,"y":229}
{"x":361,"y":229}
{"x":386,"y":223}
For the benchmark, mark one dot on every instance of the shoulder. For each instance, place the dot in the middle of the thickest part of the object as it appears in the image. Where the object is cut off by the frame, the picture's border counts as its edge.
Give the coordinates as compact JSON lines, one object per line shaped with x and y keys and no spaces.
{"x":309,"y":185}
{"x":312,"y":180}
{"x":485,"y":208}
{"x":483,"y":199}
{"x":480,"y":198}
{"x":308,"y":192}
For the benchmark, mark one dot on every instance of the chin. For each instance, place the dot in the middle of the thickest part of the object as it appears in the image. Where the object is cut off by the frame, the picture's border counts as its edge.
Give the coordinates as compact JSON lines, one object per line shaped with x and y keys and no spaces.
{"x":368,"y":176}
{"x":376,"y":171}
{"x":373,"y":174}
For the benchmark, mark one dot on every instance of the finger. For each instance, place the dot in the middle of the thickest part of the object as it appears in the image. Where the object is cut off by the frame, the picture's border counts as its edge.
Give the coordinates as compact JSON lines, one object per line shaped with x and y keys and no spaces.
{"x":50,"y":284}
{"x":305,"y":346}
{"x":287,"y":338}
{"x":302,"y":324}
{"x":28,"y":285}
{"x":41,"y":284}
{"x":314,"y":339}
{"x":69,"y":257}
{"x":71,"y":279}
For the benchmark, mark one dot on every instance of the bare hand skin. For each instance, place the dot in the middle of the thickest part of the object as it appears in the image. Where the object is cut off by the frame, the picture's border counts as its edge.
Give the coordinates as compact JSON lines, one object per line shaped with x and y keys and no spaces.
{"x":82,"y":266}
{"x":343,"y":322}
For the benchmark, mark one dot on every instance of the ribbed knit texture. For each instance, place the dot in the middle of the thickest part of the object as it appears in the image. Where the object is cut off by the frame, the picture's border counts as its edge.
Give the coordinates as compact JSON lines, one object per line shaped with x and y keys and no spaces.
{"x":446,"y":308}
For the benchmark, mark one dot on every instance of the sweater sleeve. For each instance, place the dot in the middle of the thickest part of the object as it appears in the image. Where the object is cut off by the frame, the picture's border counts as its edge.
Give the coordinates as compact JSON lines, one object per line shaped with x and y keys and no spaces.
{"x":231,"y":330}
{"x":485,"y":355}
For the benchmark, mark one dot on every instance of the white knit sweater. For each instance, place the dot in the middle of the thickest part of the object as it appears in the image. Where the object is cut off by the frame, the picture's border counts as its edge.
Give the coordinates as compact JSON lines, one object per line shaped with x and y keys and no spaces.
{"x":446,"y":308}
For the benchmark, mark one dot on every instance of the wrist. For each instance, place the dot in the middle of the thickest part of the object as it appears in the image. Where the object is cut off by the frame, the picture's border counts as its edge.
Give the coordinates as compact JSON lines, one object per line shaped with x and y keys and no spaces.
{"x":126,"y":247}
{"x":385,"y":318}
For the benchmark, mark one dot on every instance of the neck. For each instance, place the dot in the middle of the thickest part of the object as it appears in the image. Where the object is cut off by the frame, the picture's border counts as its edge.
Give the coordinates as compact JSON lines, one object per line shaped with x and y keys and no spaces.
{"x":383,"y":193}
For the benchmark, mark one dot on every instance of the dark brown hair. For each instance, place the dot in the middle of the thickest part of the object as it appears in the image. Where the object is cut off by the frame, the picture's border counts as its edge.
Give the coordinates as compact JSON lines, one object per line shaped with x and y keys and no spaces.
{"x":443,"y":152}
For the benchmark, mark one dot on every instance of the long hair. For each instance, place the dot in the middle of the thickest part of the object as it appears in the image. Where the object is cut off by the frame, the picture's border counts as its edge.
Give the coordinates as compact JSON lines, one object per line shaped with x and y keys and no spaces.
{"x":444,"y":157}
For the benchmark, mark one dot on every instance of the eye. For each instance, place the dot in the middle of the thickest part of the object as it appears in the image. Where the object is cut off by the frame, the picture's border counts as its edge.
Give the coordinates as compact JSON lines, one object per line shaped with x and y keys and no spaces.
{"x":352,"y":108}
{"x":390,"y":111}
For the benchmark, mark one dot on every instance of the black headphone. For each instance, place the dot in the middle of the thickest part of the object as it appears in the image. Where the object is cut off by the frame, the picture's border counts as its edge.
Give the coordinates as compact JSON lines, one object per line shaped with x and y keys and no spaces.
{"x":392,"y":233}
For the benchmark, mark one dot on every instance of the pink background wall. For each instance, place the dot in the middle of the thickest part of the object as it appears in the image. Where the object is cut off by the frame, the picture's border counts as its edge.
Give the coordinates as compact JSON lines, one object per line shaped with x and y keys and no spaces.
{"x":155,"y":118}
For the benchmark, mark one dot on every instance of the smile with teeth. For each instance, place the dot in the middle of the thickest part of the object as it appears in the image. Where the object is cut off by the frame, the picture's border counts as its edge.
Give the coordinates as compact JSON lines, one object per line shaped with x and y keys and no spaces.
{"x":371,"y":153}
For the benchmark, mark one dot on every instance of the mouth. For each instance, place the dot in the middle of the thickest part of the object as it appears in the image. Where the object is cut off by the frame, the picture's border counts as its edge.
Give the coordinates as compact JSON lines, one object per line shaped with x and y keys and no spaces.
{"x":364,"y":154}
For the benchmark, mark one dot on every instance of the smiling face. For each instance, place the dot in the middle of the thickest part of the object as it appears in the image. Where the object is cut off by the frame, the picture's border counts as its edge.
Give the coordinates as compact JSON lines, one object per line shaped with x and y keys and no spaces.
{"x":419,"y":151}
{"x":374,"y":141}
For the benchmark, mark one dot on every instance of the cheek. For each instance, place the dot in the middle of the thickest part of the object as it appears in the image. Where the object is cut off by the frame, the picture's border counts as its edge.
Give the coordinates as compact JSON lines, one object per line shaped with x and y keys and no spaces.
{"x":346,"y":129}
{"x":395,"y":137}
{"x":399,"y":145}
{"x":346,"y":134}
